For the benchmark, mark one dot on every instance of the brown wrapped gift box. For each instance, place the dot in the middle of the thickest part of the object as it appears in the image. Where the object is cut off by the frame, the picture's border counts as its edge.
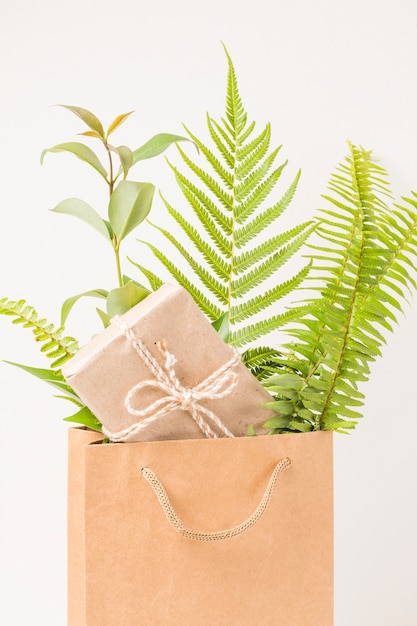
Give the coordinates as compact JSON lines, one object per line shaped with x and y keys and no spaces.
{"x":128,"y":565}
{"x":104,"y":372}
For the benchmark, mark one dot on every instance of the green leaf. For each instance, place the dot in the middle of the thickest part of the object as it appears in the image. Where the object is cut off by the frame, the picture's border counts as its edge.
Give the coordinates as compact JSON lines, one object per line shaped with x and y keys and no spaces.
{"x":91,"y":133}
{"x":69,"y":302}
{"x":283,"y":407}
{"x":124,"y":298}
{"x":280,"y":421}
{"x":117,"y":122}
{"x":105,"y":317}
{"x":251,"y":431}
{"x":52,"y":377}
{"x":85,"y":417}
{"x":55,"y":345}
{"x":126,"y":158}
{"x":221,"y":325}
{"x":287,"y":381}
{"x":156,"y":145}
{"x":129,"y":204}
{"x":78,"y":208}
{"x":89,"y":118}
{"x":82,"y":152}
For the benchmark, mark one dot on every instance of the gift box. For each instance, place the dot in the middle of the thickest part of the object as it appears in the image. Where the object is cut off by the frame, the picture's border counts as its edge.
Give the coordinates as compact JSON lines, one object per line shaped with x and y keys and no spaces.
{"x":161,"y":371}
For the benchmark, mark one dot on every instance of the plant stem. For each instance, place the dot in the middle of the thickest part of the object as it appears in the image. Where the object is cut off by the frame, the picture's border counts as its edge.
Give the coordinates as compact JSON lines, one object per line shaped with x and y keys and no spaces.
{"x":116,"y":243}
{"x":111,"y":179}
{"x":116,"y":247}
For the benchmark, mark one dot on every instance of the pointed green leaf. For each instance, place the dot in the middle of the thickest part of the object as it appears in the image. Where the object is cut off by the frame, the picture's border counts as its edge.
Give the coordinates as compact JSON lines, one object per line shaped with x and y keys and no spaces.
{"x":129,"y":204}
{"x":156,"y":145}
{"x":52,"y":377}
{"x":300,"y":426}
{"x":105,"y":317}
{"x":117,"y":122}
{"x":91,"y":133}
{"x":87,"y":117}
{"x":281,"y":421}
{"x":84,"y":211}
{"x":222,"y":326}
{"x":283,"y":407}
{"x":287,"y":381}
{"x":82,"y":152}
{"x":251,"y":431}
{"x":85,"y":417}
{"x":69,"y":302}
{"x":124,"y":298}
{"x":126,"y":158}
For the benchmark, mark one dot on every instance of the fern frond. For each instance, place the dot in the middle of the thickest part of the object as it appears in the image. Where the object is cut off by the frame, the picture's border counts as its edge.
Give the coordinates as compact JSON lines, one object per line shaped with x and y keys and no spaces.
{"x":254,"y":331}
{"x":260,"y":302}
{"x":250,"y":154}
{"x":228,"y":201}
{"x":360,"y":271}
{"x":220,"y":139}
{"x":247,"y":259}
{"x":214,"y":285}
{"x":257,"y":360}
{"x":225,"y":175}
{"x":196,"y":196}
{"x":264,"y":219}
{"x":221,"y":242}
{"x":154,"y":280}
{"x":257,"y":195}
{"x":55,"y":345}
{"x":212,"y":311}
{"x":261,"y":272}
{"x":215,"y":261}
{"x":225,"y":198}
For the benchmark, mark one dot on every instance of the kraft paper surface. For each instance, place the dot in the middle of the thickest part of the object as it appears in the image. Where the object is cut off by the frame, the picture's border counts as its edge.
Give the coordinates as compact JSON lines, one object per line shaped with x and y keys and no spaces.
{"x":132,"y":568}
{"x":103,"y":371}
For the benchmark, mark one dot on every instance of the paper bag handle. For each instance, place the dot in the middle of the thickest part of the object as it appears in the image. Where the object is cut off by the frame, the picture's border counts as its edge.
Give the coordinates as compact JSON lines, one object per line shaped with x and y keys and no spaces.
{"x":199,"y":535}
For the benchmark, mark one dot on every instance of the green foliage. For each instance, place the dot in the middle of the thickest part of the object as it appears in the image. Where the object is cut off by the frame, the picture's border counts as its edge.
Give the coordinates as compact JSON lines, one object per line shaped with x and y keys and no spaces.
{"x":361,"y":264}
{"x":54,"y":344}
{"x":129,"y":201}
{"x":362,"y":271}
{"x":231,"y":248}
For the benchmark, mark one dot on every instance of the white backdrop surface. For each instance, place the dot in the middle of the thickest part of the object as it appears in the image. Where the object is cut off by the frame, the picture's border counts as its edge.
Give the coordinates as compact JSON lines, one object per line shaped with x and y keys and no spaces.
{"x":322,"y":72}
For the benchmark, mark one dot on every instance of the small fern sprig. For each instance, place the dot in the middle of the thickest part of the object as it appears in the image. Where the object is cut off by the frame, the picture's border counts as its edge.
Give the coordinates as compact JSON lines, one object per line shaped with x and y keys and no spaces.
{"x":225,"y":246}
{"x":362,"y":262}
{"x":55,"y":344}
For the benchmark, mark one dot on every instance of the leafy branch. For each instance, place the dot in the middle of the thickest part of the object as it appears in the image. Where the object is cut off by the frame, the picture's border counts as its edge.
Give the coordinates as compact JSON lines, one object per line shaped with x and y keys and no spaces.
{"x":129,"y":201}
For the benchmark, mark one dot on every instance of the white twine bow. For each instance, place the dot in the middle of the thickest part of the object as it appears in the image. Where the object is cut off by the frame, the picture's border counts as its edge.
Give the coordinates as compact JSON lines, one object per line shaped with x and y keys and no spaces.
{"x":218,"y":385}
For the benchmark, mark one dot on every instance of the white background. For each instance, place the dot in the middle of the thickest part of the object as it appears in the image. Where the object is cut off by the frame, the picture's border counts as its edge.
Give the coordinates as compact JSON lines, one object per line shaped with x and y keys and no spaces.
{"x":322,"y":72}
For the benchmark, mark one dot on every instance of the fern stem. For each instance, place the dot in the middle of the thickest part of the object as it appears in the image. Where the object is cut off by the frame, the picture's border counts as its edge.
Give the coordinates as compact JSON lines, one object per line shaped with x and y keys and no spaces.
{"x":361,"y":202}
{"x":344,"y":263}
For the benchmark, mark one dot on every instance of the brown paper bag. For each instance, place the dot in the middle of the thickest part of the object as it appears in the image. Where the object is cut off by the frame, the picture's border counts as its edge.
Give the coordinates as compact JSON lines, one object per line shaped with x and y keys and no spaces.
{"x":204,"y":532}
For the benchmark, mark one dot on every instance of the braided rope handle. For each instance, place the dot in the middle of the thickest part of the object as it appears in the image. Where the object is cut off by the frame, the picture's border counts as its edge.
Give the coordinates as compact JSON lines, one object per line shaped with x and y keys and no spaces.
{"x":199,"y":535}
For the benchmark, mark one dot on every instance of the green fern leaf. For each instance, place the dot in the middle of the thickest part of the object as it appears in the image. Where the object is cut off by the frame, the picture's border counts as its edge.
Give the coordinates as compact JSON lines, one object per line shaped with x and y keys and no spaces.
{"x":264,"y":219}
{"x":360,"y":270}
{"x":227,"y":192}
{"x":55,"y":345}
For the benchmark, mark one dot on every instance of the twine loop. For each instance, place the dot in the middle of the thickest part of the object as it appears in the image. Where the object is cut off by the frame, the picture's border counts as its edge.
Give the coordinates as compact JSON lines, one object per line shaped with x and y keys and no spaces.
{"x":199,"y":535}
{"x":176,"y":396}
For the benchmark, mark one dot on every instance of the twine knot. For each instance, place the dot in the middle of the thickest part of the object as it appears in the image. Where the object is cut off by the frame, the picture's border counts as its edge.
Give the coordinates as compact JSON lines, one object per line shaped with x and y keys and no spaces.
{"x":176,"y":396}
